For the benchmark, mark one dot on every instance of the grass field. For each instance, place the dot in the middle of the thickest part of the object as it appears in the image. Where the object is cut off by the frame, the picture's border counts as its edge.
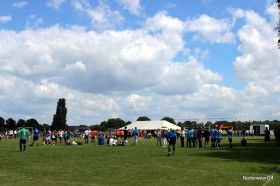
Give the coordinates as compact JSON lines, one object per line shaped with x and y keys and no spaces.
{"x":145,"y":164}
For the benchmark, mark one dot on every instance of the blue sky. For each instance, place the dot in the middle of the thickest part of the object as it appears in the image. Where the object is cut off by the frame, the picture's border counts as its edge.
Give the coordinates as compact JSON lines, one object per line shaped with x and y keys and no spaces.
{"x":129,"y":58}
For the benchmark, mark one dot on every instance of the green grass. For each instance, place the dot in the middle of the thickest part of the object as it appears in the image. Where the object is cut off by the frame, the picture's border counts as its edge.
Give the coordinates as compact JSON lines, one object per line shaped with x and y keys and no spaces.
{"x":145,"y":164}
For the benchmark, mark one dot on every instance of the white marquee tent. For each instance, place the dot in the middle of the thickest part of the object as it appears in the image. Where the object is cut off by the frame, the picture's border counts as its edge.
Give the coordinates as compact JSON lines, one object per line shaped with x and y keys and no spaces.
{"x":152,"y":125}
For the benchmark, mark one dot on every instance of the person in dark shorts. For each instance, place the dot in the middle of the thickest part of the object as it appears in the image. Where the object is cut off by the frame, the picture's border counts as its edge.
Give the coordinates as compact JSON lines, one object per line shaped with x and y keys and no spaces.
{"x":125,"y":133}
{"x":35,"y":137}
{"x":213,"y":138}
{"x":230,"y":134}
{"x":206,"y":137}
{"x":23,"y":137}
{"x":266,"y":135}
{"x":171,"y":138}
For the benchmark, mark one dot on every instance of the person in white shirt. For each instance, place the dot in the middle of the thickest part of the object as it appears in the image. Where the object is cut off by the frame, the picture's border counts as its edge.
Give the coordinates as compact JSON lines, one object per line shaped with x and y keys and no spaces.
{"x":86,"y":133}
{"x":112,"y":141}
{"x":182,"y":136}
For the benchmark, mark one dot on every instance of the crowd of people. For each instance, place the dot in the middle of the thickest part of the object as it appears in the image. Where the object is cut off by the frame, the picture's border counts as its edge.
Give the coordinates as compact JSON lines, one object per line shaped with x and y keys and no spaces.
{"x":196,"y":137}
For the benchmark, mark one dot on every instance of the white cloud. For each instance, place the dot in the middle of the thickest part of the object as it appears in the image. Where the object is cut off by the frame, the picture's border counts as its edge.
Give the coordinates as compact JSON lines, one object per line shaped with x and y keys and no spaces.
{"x":4,"y":19}
{"x":20,"y":4}
{"x":210,"y":29}
{"x":273,"y":11}
{"x":55,"y":4}
{"x":33,"y":22}
{"x":259,"y":63}
{"x":138,"y":103}
{"x":128,"y":73}
{"x":133,"y":6}
{"x":162,"y":22}
{"x":77,"y":66}
{"x":102,"y":16}
{"x":98,"y":68}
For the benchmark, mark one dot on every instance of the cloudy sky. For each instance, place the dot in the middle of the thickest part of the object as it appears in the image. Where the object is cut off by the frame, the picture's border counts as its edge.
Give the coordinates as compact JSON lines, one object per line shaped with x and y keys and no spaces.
{"x":183,"y":59}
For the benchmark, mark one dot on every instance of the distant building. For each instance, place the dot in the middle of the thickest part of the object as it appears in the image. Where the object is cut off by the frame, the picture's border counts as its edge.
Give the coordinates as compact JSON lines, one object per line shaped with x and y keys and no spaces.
{"x":258,"y":128}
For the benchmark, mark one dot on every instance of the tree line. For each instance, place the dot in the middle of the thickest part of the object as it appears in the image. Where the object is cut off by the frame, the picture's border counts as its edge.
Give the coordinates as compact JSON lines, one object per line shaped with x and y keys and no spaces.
{"x":115,"y":123}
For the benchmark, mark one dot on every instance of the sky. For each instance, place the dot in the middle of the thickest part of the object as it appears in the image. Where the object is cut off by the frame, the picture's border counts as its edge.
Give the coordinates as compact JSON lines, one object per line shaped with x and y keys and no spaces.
{"x":184,"y":59}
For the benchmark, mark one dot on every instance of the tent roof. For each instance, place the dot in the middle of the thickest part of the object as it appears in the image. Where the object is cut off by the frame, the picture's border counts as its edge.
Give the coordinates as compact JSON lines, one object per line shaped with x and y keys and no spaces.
{"x":152,"y":125}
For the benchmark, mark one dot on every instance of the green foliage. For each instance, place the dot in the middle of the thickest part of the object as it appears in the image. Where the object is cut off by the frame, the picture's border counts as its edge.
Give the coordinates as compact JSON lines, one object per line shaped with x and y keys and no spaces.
{"x":113,"y":123}
{"x":59,"y":119}
{"x":46,"y":126}
{"x":2,"y":124}
{"x":33,"y":123}
{"x":10,"y":124}
{"x":21,"y":122}
{"x":143,"y":118}
{"x":171,"y":120}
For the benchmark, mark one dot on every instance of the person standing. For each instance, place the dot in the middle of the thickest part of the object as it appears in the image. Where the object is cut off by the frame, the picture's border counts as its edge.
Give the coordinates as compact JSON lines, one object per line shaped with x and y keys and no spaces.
{"x":48,"y":137}
{"x":86,"y":133}
{"x":54,"y":137}
{"x":23,"y":137}
{"x":190,"y":138}
{"x":44,"y":136}
{"x":35,"y":137}
{"x":206,"y":137}
{"x":125,"y":135}
{"x":194,"y":139}
{"x":199,"y":137}
{"x":266,"y":135}
{"x":159,"y":137}
{"x":182,"y":136}
{"x":219,"y":136}
{"x":92,"y":134}
{"x":135,"y":136}
{"x":213,"y":137}
{"x":60,"y":135}
{"x":230,"y":134}
{"x":68,"y":135}
{"x":171,"y":138}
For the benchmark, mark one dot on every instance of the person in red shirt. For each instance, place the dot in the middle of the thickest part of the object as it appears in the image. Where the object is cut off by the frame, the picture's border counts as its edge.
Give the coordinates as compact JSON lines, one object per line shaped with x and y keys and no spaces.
{"x":122,"y":133}
{"x":92,"y":134}
{"x":117,"y":134}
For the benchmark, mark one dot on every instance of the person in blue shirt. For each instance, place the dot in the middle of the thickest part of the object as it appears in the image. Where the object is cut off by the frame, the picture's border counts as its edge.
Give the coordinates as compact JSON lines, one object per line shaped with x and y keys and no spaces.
{"x":213,"y":138}
{"x":230,"y":134}
{"x":68,"y":136}
{"x":171,"y":139}
{"x":35,"y":137}
{"x":190,"y":138}
{"x":135,"y":134}
{"x":219,"y":136}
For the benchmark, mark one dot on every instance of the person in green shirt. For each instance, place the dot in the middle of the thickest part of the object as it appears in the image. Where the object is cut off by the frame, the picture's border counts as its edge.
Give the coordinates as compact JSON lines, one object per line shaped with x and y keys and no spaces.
{"x":23,"y":137}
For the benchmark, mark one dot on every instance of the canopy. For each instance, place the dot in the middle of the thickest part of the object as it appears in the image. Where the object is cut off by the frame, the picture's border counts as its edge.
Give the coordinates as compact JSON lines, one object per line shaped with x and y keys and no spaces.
{"x":152,"y":125}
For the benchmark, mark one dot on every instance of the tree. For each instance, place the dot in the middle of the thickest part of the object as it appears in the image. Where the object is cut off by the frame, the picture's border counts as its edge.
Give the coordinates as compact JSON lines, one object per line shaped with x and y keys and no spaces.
{"x":33,"y":123}
{"x":11,"y":124}
{"x":20,"y":123}
{"x":59,"y":118}
{"x":170,"y":120}
{"x":143,"y":118}
{"x":190,"y":124}
{"x":2,"y":124}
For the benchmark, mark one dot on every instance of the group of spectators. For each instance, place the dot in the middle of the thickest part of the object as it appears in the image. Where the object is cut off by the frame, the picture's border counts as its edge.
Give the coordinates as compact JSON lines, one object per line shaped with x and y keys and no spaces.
{"x":192,"y":136}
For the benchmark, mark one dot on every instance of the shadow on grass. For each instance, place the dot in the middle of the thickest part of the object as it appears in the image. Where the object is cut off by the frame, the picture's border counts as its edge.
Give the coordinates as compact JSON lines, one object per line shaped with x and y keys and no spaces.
{"x":255,"y":151}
